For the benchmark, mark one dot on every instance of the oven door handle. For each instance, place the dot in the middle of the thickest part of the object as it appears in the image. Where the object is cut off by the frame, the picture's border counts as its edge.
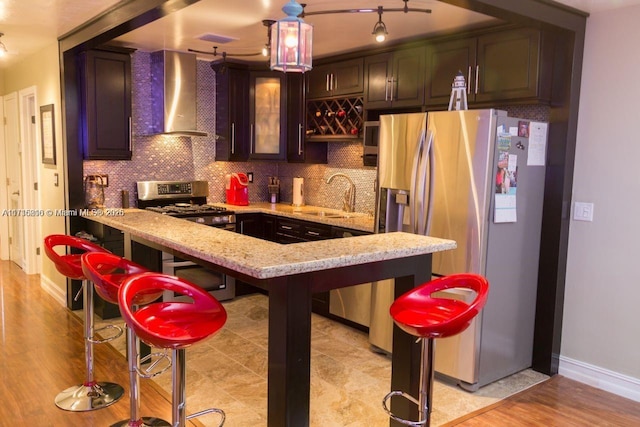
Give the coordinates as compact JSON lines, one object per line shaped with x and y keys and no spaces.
{"x":178,"y":263}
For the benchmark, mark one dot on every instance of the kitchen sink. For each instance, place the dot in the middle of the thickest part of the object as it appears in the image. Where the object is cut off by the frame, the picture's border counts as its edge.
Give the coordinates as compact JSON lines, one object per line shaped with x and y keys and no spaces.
{"x":324,"y":214}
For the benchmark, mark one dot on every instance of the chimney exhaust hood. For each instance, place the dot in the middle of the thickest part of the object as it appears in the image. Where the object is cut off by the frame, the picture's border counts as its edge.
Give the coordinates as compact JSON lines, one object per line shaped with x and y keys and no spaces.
{"x":173,"y":94}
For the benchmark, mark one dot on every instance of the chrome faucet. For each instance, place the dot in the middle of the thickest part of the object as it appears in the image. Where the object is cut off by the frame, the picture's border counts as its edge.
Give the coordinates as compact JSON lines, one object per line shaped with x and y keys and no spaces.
{"x":349,"y":200}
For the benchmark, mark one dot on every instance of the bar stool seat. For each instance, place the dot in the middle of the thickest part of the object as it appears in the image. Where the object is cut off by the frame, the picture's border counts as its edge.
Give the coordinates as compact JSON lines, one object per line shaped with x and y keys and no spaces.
{"x":427,"y":316}
{"x":173,"y":325}
{"x":89,"y":395}
{"x":107,"y":272}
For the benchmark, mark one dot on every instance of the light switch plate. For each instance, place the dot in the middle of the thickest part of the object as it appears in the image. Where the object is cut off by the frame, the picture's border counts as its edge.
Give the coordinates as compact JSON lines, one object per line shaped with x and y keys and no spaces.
{"x":583,"y":211}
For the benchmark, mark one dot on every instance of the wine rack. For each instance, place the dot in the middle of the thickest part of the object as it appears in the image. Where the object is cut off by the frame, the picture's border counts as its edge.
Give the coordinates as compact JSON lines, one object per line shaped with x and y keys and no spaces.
{"x":335,"y":119}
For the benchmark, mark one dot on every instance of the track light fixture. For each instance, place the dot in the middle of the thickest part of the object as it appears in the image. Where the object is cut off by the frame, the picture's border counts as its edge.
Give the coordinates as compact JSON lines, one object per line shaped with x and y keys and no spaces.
{"x":380,"y":30}
{"x":3,"y":48}
{"x":289,"y":40}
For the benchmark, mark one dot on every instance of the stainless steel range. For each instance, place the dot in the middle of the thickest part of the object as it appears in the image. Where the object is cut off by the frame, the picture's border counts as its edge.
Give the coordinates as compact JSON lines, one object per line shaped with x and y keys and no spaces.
{"x":184,"y":199}
{"x":188,"y":200}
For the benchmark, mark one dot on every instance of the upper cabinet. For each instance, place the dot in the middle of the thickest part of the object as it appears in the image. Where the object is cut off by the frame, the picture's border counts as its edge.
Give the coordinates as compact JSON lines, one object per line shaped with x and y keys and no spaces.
{"x":106,"y":101}
{"x":395,"y":79}
{"x":498,"y":66}
{"x":336,"y":79}
{"x":232,"y":120}
{"x":267,"y":118}
{"x":299,"y":148}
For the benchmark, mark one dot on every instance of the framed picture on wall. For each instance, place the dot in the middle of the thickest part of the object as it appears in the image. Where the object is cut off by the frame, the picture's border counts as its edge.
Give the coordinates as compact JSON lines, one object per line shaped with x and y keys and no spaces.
{"x":48,"y":134}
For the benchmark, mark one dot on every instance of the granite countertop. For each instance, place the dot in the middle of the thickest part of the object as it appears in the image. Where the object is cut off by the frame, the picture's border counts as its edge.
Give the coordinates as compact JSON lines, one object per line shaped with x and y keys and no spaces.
{"x":263,"y":259}
{"x":353,"y":220}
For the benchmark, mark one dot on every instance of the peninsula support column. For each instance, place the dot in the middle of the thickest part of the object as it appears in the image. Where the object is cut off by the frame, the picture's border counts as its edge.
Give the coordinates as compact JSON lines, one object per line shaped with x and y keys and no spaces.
{"x":289,"y":352}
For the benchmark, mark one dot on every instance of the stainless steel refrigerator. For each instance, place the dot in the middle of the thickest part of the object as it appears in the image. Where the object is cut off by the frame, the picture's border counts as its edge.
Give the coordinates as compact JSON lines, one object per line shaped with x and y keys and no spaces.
{"x":475,"y":177}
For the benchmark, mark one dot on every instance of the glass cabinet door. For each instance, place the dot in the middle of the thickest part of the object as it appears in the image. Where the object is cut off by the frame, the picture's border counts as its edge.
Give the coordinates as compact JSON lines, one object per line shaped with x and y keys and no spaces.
{"x":268,"y":118}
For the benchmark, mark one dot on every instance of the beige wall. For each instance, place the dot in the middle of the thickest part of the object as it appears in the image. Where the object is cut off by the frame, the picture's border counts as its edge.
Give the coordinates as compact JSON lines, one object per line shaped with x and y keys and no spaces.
{"x":601,"y":327}
{"x":42,"y":71}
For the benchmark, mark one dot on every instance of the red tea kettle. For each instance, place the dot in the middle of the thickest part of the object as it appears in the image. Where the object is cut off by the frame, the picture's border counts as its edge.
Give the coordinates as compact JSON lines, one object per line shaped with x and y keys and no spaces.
{"x":236,"y":188}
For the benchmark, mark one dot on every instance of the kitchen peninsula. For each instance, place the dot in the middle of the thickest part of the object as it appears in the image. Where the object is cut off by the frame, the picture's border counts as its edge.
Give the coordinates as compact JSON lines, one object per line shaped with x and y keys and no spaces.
{"x":291,"y":274}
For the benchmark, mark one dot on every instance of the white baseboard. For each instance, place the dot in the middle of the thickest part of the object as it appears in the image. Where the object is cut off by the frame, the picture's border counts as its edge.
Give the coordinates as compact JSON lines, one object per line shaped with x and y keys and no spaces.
{"x":604,"y":379}
{"x":53,"y":290}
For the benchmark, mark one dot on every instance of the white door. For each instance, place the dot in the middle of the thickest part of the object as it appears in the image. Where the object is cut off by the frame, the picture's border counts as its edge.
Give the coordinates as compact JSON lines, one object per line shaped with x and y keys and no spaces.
{"x":14,"y":179}
{"x":30,"y":180}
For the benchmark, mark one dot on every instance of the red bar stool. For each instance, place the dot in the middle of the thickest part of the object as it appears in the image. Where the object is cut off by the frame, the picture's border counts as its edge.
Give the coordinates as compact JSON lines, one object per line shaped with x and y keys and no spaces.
{"x":91,"y":394}
{"x":107,"y":272}
{"x":423,"y":315}
{"x":173,"y":325}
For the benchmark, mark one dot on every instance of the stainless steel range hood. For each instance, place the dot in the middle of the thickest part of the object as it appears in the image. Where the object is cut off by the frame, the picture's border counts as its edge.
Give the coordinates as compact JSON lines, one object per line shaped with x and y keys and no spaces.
{"x":173,"y":92}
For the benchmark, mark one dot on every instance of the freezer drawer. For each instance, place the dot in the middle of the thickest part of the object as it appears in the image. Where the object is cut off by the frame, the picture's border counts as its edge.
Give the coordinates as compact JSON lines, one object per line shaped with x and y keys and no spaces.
{"x":456,"y":357}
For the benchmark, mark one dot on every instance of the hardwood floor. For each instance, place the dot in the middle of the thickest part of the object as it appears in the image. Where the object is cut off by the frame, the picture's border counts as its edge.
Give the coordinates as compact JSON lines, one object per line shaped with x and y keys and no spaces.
{"x":43,"y":354}
{"x":558,"y":402}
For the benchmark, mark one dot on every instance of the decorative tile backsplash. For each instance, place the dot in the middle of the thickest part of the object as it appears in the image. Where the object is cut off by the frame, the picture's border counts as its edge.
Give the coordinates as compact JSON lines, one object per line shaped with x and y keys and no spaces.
{"x":162,"y":157}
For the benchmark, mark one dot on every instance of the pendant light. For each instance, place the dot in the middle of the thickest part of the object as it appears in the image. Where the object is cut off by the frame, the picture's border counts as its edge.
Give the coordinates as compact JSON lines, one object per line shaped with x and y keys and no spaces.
{"x":291,"y":41}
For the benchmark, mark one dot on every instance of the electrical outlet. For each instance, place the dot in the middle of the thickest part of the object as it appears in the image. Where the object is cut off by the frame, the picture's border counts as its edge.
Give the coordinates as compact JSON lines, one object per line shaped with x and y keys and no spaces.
{"x":250,"y":176}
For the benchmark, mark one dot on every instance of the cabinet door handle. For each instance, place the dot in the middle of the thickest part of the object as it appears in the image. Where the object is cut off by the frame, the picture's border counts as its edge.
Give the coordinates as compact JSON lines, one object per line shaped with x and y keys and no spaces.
{"x":392,"y":86}
{"x":286,"y":227}
{"x":333,"y":82}
{"x":300,"y":139}
{"x":477,"y":78}
{"x":469,"y":81}
{"x":327,"y":82}
{"x":312,"y":233}
{"x":386,"y":90}
{"x":130,"y":134}
{"x":233,"y":138}
{"x":251,"y":139}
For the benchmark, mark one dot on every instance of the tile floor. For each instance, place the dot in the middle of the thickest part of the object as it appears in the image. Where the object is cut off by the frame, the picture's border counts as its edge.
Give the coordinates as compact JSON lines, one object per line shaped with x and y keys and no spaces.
{"x":348,"y":381}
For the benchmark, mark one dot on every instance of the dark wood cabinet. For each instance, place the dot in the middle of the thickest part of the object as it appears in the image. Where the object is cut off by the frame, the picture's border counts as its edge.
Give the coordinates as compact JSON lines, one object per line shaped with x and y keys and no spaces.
{"x":299,"y":148}
{"x":106,"y":102}
{"x":508,"y":65}
{"x":395,"y":79}
{"x":498,"y":66}
{"x":112,"y":240}
{"x":267,"y":115}
{"x":269,"y":227}
{"x":257,"y":225}
{"x":336,"y":79}
{"x":444,"y":60}
{"x":232,"y":120}
{"x":290,"y":230}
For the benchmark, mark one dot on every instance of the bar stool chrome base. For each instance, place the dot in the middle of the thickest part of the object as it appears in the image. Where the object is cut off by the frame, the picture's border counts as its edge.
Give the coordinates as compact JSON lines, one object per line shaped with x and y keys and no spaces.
{"x":81,"y":398}
{"x":144,"y":422}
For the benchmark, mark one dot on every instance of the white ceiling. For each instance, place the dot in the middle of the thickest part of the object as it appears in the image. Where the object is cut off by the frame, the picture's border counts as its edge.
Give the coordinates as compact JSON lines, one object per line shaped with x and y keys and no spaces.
{"x":241,"y":20}
{"x":31,"y":25}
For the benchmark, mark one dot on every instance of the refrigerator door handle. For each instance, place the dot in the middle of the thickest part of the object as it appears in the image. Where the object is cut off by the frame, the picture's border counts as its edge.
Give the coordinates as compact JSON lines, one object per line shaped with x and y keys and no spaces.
{"x":416,"y":174}
{"x":432,"y":176}
{"x":424,"y":168}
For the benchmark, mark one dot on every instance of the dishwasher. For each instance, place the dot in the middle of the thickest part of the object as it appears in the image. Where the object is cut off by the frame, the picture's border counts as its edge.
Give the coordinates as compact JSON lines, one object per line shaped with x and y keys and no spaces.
{"x":352,"y":303}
